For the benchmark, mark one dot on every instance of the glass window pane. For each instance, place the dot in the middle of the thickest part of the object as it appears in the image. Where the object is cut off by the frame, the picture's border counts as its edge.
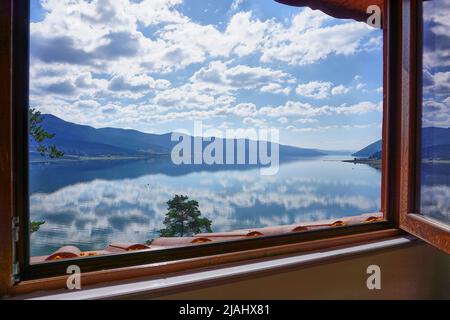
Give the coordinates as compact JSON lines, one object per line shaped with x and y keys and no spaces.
{"x":116,"y":80}
{"x":435,"y":176}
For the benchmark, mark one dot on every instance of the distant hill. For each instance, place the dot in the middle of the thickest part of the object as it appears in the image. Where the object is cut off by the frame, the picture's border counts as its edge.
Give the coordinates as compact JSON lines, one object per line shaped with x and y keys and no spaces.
{"x":370,"y":150}
{"x":435,"y":145}
{"x":437,"y":152}
{"x":85,"y":141}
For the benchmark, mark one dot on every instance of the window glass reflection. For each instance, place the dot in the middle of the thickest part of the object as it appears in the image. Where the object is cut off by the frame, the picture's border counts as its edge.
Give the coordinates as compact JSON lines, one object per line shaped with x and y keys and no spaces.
{"x":435,"y":188}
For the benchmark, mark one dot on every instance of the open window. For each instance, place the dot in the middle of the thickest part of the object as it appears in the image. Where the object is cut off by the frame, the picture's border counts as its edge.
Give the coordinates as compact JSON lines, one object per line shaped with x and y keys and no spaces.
{"x":122,"y":166}
{"x":425,"y":180}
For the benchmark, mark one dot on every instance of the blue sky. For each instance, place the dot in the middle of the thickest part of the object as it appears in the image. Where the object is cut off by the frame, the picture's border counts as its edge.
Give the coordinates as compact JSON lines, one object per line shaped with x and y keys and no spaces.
{"x":159,"y":65}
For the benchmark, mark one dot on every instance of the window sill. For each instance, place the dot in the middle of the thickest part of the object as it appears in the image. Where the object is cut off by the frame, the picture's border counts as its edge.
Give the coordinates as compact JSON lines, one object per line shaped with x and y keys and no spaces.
{"x":204,"y":277}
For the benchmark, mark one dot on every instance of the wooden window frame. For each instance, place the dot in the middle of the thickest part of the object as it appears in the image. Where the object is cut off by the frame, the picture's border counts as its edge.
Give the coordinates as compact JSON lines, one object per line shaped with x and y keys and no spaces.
{"x":428,"y":229}
{"x":14,"y":33}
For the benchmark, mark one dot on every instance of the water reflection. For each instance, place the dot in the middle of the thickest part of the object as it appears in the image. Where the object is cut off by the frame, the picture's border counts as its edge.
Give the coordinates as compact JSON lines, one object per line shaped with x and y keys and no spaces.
{"x":435,"y":191}
{"x":97,"y":208}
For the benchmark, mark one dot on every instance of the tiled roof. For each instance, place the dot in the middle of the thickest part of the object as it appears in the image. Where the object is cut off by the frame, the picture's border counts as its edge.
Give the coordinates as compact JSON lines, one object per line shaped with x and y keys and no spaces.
{"x":341,"y":9}
{"x":69,"y":252}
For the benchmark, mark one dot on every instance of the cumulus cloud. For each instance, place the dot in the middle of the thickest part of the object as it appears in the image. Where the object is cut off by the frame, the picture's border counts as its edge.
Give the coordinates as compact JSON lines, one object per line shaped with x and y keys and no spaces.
{"x":314,"y":89}
{"x":60,"y":88}
{"x":254,"y":122}
{"x":236,"y":4}
{"x":436,"y":37}
{"x":294,"y":108}
{"x":241,"y":110}
{"x":298,"y":45}
{"x":215,"y":85}
{"x":435,"y":113}
{"x":137,"y":83}
{"x":320,"y":90}
{"x":220,"y":76}
{"x":60,"y":49}
{"x":276,"y":89}
{"x":436,"y":94}
{"x":306,"y":110}
{"x":149,"y":62}
{"x":118,"y":44}
{"x":359,"y":108}
{"x":341,"y":89}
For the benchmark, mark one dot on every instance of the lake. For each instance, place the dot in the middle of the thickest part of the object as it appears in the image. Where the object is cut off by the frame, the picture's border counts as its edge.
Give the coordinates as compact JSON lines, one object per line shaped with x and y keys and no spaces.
{"x":90,"y":204}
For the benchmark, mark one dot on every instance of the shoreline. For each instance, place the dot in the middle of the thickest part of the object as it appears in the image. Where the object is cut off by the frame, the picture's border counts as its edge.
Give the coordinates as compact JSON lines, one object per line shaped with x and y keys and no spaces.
{"x":103,"y":158}
{"x":437,"y":161}
{"x":375,"y":162}
{"x":371,"y":162}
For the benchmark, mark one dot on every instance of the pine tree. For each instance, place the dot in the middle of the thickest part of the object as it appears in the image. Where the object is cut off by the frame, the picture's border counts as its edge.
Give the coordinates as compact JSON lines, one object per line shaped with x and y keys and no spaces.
{"x":183,"y":219}
{"x":38,"y":133}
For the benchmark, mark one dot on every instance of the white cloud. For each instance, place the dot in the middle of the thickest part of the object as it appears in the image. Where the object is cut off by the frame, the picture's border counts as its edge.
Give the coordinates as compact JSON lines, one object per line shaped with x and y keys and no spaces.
{"x":331,"y":127}
{"x":186,"y":96}
{"x":283,"y":120}
{"x":341,"y":89}
{"x":293,"y":108}
{"x":308,"y":111}
{"x":236,"y":4}
{"x":215,"y":84}
{"x":437,"y":39}
{"x":90,"y":58}
{"x":320,"y":90}
{"x":276,"y":89}
{"x":299,"y":45}
{"x":306,"y":120}
{"x":219,"y":76}
{"x":240,"y":110}
{"x":436,"y":114}
{"x":360,"y":86}
{"x":359,"y":108}
{"x":314,"y":89}
{"x":254,"y":122}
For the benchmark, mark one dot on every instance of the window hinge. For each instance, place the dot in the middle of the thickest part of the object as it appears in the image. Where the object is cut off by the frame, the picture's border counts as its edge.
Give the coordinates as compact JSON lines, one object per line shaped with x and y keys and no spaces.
{"x":15,"y":240}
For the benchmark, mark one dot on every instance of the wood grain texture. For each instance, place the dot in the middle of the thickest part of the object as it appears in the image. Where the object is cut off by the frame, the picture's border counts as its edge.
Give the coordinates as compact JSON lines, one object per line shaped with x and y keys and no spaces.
{"x":342,"y":9}
{"x":410,"y":127}
{"x":122,"y":275}
{"x":6,"y":178}
{"x":390,"y":109}
{"x":399,"y":190}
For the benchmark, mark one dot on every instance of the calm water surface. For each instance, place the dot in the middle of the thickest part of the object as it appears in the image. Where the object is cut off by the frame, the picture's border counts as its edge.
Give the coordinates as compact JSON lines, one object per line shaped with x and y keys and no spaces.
{"x":93,"y":203}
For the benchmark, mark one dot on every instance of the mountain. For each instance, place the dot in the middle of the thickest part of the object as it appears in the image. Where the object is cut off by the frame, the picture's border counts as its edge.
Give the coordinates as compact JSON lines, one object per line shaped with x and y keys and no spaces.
{"x":368,"y":151}
{"x":81,"y":140}
{"x":435,"y":145}
{"x":437,"y":152}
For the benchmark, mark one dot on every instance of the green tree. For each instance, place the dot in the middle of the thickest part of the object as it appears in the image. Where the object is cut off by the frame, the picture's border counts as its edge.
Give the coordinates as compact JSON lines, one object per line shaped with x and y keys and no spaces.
{"x":35,"y":226}
{"x":39,"y":134}
{"x":184,"y":219}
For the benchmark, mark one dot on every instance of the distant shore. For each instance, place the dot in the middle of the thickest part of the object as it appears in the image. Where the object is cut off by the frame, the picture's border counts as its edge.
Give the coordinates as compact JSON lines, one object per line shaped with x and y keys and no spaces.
{"x":371,"y":162}
{"x":437,"y":161}
{"x":81,"y":158}
{"x":377,"y":163}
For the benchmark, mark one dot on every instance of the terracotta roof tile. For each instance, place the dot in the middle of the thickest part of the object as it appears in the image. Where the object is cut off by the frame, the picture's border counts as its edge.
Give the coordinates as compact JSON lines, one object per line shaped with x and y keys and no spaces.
{"x":341,"y":9}
{"x":161,"y":243}
{"x":179,"y":241}
{"x":126,"y":247}
{"x":67,"y":252}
